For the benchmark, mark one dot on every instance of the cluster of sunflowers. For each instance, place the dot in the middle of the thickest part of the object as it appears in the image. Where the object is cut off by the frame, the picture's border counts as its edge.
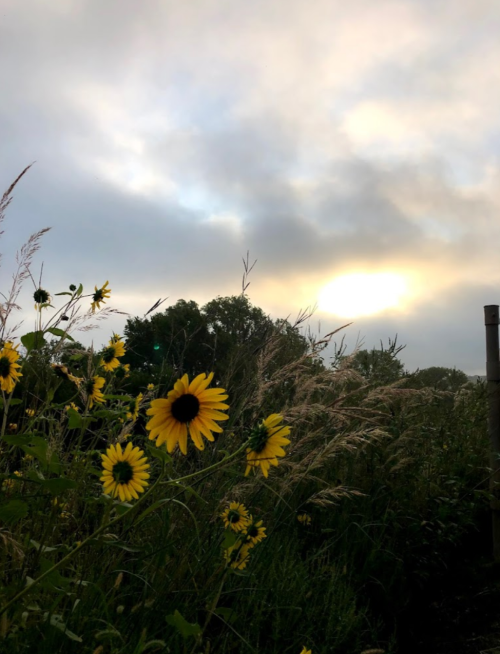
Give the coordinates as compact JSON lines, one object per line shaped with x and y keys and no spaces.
{"x":250,"y":532}
{"x":190,"y":408}
{"x":191,"y":411}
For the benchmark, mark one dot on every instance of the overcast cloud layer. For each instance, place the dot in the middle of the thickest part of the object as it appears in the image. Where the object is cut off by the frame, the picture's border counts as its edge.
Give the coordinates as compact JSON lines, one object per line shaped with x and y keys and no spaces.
{"x":325,"y":137}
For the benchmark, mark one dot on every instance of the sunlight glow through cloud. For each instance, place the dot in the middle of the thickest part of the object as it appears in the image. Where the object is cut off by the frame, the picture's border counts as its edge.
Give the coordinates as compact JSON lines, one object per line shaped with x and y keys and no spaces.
{"x":362,"y":294}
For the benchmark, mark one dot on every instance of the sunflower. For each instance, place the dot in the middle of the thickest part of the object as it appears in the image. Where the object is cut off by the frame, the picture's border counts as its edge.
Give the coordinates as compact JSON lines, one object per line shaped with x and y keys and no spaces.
{"x":254,"y":532}
{"x":150,"y":387}
{"x":237,"y":556}
{"x":189,"y":406}
{"x":124,"y":471}
{"x":133,"y":411}
{"x":306,"y":651}
{"x":42,"y":298}
{"x":304,"y":519}
{"x":93,"y":388}
{"x":73,"y":406}
{"x":9,"y":374}
{"x":115,"y":349}
{"x":30,"y":413}
{"x":265,"y":445}
{"x":64,"y":373}
{"x":123,"y":371}
{"x":99,"y":295}
{"x":235,"y":517}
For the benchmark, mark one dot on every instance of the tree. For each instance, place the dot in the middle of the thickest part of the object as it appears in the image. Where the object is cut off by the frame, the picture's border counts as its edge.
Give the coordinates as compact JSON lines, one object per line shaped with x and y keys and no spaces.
{"x":173,"y":338}
{"x":443,"y":379}
{"x":224,"y":336}
{"x":380,"y":366}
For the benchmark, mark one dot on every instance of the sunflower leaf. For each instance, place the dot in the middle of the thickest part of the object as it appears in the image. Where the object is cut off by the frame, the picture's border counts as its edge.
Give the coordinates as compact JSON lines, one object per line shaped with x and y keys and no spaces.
{"x":57,"y":622}
{"x":37,"y":447}
{"x":55,"y":331}
{"x":230,"y":539}
{"x":159,"y":454}
{"x":64,"y":293}
{"x":12,"y":402}
{"x":227,"y":614}
{"x":79,"y":290}
{"x":33,"y":340}
{"x":13,"y":511}
{"x":185,"y":628}
{"x":58,"y":485}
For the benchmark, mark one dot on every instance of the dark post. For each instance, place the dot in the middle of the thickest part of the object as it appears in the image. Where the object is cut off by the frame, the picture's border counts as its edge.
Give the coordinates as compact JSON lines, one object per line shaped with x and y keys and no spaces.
{"x":491,"y":321}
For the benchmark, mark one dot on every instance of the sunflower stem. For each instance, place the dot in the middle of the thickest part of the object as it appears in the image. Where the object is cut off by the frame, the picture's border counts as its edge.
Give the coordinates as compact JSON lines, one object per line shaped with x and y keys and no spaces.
{"x":210,"y":613}
{"x":212,"y":467}
{"x":71,"y":554}
{"x":6,"y":403}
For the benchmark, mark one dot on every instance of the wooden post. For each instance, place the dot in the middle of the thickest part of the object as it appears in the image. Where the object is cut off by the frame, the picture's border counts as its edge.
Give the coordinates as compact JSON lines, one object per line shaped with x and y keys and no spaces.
{"x":491,"y":321}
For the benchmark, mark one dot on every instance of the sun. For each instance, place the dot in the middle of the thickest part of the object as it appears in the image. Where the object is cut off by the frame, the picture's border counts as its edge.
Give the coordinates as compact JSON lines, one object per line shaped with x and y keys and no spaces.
{"x":362,"y":294}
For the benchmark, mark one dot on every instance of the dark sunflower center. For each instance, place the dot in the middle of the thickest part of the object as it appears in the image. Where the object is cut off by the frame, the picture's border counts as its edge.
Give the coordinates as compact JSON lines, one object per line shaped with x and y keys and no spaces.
{"x":61,"y":371}
{"x":98,"y":295}
{"x":259,"y":438}
{"x":4,"y":367}
{"x":252,"y":531}
{"x":108,"y":354}
{"x":89,"y":386}
{"x":233,"y":516}
{"x":123,"y":472}
{"x":40,"y":296}
{"x":185,"y":408}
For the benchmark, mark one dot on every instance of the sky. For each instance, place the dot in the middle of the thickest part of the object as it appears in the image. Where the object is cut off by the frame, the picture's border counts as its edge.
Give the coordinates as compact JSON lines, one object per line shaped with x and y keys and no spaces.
{"x":352,"y":148}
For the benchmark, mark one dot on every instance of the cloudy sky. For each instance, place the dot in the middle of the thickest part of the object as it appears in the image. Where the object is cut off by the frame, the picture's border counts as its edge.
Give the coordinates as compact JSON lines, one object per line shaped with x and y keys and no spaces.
{"x":353,"y":149}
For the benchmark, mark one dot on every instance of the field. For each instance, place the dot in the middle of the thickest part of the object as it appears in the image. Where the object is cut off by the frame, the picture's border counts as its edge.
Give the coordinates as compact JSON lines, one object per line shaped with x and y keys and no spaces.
{"x":211,"y":482}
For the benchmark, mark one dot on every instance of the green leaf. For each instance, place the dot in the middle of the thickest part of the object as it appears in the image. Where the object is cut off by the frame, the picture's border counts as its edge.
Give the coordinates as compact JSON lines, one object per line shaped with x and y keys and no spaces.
{"x":124,"y":546}
{"x":58,"y":485}
{"x":55,"y":578}
{"x":230,"y":539}
{"x":79,"y":290}
{"x":37,"y":447}
{"x":12,"y":402}
{"x":13,"y":511}
{"x":33,"y":340}
{"x":64,"y":293}
{"x":123,"y":507}
{"x":153,"y":507}
{"x":185,"y":628}
{"x":57,"y":622}
{"x":55,"y":331}
{"x":42,"y":548}
{"x":105,"y":413}
{"x":74,"y":419}
{"x":227,"y":614}
{"x":159,"y":454}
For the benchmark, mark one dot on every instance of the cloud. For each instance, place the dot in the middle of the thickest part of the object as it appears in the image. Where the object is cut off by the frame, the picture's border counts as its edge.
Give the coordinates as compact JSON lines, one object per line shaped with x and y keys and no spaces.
{"x":171,"y":138}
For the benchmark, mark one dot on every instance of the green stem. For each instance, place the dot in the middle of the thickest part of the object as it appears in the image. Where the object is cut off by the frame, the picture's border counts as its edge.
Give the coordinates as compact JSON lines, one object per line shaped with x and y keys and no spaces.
{"x":71,"y":554}
{"x":205,"y":470}
{"x":210,"y":613}
{"x":6,"y":403}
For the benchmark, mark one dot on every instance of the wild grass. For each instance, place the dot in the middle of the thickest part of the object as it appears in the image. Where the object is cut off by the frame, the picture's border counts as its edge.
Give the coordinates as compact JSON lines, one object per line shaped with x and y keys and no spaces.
{"x":394,"y":480}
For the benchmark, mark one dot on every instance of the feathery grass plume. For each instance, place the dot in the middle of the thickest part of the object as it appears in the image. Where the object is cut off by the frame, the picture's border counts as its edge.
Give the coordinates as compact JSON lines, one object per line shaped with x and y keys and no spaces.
{"x":7,"y":197}
{"x":24,"y":259}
